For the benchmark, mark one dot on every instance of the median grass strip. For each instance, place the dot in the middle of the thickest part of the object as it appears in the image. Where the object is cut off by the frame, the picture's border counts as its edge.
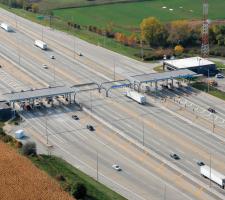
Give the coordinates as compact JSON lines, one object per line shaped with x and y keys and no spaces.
{"x":56,"y":167}
{"x":212,"y":90}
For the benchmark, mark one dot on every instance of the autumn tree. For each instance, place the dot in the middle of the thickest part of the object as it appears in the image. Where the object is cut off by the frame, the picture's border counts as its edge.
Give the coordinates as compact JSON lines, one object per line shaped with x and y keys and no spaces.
{"x":153,"y":32}
{"x":178,"y":49}
{"x":179,"y":32}
{"x":132,"y":39}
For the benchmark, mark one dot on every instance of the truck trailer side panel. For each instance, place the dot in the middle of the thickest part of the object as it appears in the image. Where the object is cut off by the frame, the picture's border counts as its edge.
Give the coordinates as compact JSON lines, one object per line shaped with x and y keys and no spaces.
{"x":213,"y":175}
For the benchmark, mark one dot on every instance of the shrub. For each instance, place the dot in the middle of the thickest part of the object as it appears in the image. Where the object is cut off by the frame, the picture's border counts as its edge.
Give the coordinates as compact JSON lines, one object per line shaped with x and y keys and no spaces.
{"x":7,"y":138}
{"x":67,"y":187}
{"x":18,"y":144}
{"x":2,"y":131}
{"x":79,"y":191}
{"x":60,"y":177}
{"x":29,"y":149}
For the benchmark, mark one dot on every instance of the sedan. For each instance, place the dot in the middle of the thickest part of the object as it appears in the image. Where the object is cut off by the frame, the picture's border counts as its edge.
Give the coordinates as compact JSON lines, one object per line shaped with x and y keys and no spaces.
{"x":219,"y":76}
{"x":200,"y":163}
{"x":211,"y":110}
{"x":75,"y":117}
{"x":90,"y":127}
{"x":116,"y":167}
{"x":174,"y":156}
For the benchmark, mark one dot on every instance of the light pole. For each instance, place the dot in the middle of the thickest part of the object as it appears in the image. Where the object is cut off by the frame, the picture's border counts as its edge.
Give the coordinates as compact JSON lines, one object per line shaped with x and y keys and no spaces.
{"x":210,"y":165}
{"x":97,"y":165}
{"x":143,"y":133}
{"x":74,"y":48}
{"x":114,"y":68}
{"x":208,"y":80}
{"x":46,"y":129}
{"x":42,"y":32}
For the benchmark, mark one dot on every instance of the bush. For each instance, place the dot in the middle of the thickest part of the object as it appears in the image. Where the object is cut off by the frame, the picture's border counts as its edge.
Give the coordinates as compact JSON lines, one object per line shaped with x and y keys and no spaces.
{"x":18,"y":144}
{"x":60,"y":177}
{"x":7,"y":138}
{"x":79,"y":191}
{"x":2,"y":131}
{"x":29,"y":149}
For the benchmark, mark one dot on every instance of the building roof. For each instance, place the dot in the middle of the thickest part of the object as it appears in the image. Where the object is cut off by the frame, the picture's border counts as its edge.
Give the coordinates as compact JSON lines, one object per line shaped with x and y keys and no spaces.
{"x":39,"y":93}
{"x":152,"y":77}
{"x":189,"y":62}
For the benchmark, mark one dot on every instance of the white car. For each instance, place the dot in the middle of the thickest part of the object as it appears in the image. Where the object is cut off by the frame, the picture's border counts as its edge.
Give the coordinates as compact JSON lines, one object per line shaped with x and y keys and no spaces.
{"x":52,"y":57}
{"x":45,"y":66}
{"x":219,"y":76}
{"x":116,"y":167}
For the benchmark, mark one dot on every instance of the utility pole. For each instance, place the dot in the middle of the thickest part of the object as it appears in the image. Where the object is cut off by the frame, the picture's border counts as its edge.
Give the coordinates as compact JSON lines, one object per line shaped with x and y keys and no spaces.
{"x":205,"y":30}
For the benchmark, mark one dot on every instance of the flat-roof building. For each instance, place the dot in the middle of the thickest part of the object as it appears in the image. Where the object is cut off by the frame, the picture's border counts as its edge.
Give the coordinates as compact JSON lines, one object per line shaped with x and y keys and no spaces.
{"x":196,"y":64}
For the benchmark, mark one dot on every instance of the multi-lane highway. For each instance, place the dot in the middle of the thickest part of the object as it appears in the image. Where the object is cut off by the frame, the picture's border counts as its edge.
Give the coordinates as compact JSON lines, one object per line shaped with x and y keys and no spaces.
{"x":161,"y":131}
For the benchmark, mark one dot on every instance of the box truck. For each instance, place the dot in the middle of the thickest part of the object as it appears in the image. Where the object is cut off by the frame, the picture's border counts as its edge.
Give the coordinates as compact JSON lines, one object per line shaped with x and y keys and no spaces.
{"x":213,"y":175}
{"x":6,"y":27}
{"x":40,"y":44}
{"x":136,"y":96}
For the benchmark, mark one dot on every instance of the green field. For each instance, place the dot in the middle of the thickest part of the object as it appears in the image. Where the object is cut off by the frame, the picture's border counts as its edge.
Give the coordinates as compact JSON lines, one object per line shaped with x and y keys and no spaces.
{"x":127,"y":16}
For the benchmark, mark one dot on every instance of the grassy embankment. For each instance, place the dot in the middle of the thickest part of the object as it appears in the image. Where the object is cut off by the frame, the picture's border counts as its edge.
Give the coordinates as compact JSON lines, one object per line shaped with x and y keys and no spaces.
{"x":56,"y":166}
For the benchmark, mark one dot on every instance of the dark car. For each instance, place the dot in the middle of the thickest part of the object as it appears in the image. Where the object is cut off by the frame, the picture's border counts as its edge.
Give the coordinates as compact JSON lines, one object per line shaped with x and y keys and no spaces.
{"x":200,"y":163}
{"x":90,"y":127}
{"x":174,"y":156}
{"x":75,"y":117}
{"x":211,"y":110}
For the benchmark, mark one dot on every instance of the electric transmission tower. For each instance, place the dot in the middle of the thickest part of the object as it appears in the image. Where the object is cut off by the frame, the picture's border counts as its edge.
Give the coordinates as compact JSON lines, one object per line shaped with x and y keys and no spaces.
{"x":205,"y":30}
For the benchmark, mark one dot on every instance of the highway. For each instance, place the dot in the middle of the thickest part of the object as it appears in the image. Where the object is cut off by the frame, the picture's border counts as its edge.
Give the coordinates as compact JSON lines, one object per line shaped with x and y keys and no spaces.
{"x":163,"y":132}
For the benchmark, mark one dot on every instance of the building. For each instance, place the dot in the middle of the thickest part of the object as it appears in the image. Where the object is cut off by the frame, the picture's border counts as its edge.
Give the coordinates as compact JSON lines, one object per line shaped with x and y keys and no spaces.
{"x":5,"y":111}
{"x":196,"y":64}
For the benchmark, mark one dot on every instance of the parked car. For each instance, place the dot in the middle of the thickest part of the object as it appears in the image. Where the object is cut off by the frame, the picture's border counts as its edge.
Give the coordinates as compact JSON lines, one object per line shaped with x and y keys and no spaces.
{"x":116,"y":167}
{"x":174,"y":156}
{"x":90,"y":127}
{"x":211,"y":110}
{"x":219,"y":76}
{"x":52,"y":57}
{"x":75,"y":117}
{"x":200,"y":163}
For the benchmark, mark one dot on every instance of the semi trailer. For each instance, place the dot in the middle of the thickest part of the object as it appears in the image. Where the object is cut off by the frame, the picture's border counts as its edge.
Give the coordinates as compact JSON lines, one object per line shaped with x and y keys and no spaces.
{"x":136,"y":96}
{"x":42,"y":45}
{"x":6,"y":27}
{"x":213,"y":175}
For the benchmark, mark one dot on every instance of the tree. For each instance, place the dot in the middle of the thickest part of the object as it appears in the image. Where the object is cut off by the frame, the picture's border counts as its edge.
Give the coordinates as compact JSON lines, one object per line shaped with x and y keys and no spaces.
{"x":29,"y":149}
{"x":153,"y":32}
{"x":35,"y":7}
{"x":80,"y":191}
{"x":178,"y":49}
{"x":132,"y":39}
{"x":179,"y":32}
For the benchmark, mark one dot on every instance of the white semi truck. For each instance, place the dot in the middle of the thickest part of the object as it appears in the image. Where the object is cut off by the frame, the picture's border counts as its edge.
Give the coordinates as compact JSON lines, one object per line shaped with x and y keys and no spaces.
{"x":6,"y":27}
{"x":213,"y":175}
{"x":40,"y":44}
{"x":136,"y":96}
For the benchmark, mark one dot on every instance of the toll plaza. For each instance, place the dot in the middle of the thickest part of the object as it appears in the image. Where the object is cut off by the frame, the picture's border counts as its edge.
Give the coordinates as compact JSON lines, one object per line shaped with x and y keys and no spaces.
{"x":30,"y":96}
{"x":154,"y":78}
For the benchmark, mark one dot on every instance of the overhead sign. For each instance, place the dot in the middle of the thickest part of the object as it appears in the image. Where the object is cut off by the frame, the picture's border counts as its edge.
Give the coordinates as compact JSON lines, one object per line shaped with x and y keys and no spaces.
{"x":120,"y":85}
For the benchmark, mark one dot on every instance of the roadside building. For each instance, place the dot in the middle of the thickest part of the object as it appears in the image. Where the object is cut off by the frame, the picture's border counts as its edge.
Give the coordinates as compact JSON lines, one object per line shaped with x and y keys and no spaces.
{"x":5,"y":111}
{"x":196,"y":64}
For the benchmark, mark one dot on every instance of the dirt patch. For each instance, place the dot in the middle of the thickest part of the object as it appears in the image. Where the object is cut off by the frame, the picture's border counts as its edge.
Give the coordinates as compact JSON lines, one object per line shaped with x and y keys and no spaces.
{"x":20,"y":179}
